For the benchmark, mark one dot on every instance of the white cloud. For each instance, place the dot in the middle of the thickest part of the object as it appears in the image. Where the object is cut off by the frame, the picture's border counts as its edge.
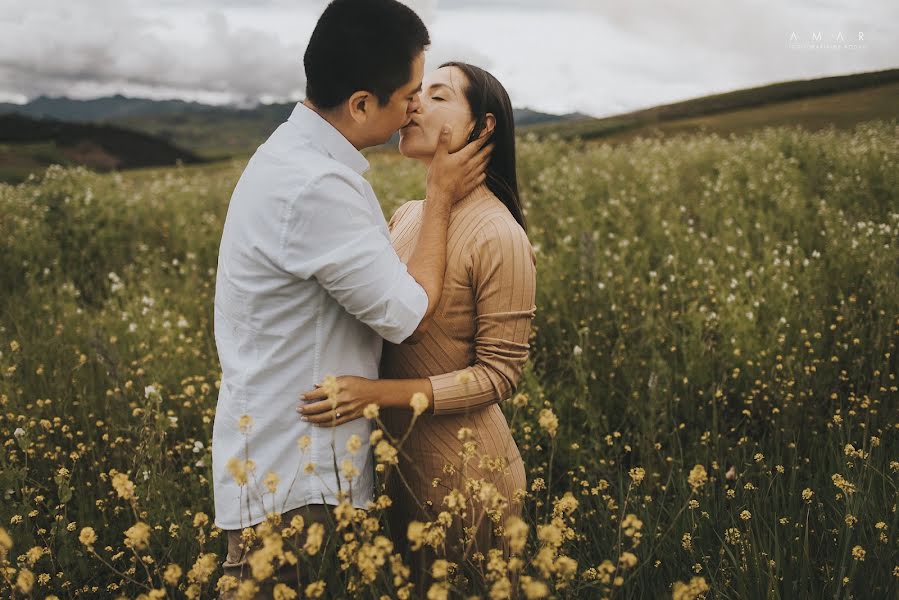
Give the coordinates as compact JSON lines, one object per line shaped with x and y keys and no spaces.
{"x":605,"y":57}
{"x":55,"y":47}
{"x":596,"y":56}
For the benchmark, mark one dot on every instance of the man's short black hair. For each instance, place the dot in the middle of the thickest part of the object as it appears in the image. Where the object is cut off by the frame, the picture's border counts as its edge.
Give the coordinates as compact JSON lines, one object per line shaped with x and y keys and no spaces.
{"x":362,"y":45}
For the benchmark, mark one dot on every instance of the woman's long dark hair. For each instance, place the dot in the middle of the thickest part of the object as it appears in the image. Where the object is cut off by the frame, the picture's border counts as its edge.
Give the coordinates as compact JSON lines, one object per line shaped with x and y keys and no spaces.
{"x":487,"y":95}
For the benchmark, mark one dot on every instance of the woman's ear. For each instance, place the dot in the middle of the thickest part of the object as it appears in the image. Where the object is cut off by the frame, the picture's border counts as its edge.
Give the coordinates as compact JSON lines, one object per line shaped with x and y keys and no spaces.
{"x":489,"y":123}
{"x":358,"y":104}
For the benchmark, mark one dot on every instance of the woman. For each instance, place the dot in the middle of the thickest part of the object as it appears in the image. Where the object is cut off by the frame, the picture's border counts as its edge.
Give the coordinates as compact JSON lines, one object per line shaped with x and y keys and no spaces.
{"x":471,"y":355}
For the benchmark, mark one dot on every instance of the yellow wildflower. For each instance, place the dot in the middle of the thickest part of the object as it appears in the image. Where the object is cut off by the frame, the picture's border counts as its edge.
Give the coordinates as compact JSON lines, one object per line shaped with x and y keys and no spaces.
{"x":240,"y":469}
{"x":371,"y":411}
{"x":548,"y":421}
{"x":732,"y":535}
{"x":533,"y":588}
{"x":122,"y":485}
{"x":247,"y":590}
{"x":25,"y":581}
{"x":244,"y":423}
{"x":385,"y":452}
{"x":203,"y":568}
{"x":137,"y":536}
{"x":88,"y":537}
{"x":415,"y":533}
{"x":315,"y":589}
{"x":689,"y":591}
{"x":843,"y":484}
{"x":331,"y":386}
{"x":440,"y":569}
{"x":353,"y":444}
{"x":516,"y":530}
{"x":637,"y":474}
{"x":314,"y":536}
{"x":565,"y":567}
{"x":271,"y":481}
{"x":6,"y":542}
{"x":631,"y":526}
{"x":348,"y":468}
{"x":698,"y":477}
{"x":438,"y":591}
{"x":283,"y":592}
{"x":501,"y":589}
{"x":565,"y":505}
{"x":463,"y":377}
{"x":550,"y":534}
{"x":627,"y":560}
{"x":34,"y":554}
{"x":419,"y":403}
{"x":172,"y":574}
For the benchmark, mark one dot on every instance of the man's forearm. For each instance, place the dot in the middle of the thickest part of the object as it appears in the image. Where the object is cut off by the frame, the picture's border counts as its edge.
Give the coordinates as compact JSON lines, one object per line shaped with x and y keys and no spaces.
{"x":428,"y":261}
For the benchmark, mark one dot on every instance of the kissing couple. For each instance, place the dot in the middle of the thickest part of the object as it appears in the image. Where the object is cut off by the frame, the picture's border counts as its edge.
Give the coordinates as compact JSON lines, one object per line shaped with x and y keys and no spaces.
{"x":340,"y":334}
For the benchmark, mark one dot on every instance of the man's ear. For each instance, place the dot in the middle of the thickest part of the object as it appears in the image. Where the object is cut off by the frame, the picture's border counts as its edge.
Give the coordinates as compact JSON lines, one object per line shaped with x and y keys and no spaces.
{"x":489,"y":123}
{"x":359,"y":105}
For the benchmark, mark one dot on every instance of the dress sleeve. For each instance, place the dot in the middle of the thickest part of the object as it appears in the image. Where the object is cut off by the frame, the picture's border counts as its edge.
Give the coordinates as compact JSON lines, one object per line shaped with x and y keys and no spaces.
{"x":504,"y":281}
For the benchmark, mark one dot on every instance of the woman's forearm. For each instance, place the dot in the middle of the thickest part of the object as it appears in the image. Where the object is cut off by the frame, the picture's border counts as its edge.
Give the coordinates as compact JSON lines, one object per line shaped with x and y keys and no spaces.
{"x":396,"y":393}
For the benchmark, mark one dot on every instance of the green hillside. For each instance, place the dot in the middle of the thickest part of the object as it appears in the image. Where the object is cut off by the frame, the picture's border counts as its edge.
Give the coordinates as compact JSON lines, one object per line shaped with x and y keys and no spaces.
{"x":217,"y":132}
{"x":813,"y":104}
{"x":29,"y":145}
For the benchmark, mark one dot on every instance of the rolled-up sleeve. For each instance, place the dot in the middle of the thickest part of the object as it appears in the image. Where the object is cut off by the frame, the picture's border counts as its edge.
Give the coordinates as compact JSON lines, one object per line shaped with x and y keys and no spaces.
{"x":504,"y":280}
{"x":332,"y":233}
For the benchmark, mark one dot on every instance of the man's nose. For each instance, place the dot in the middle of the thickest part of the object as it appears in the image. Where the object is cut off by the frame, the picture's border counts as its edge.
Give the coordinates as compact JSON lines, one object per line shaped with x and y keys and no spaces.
{"x":415,"y":105}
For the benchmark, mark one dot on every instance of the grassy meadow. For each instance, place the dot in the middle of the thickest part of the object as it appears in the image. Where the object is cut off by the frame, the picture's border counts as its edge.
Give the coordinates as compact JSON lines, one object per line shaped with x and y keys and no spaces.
{"x":710,"y":410}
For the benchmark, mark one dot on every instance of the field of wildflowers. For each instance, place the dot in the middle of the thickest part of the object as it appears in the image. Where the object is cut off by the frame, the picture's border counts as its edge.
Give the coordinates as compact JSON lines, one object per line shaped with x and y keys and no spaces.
{"x":711,"y":408}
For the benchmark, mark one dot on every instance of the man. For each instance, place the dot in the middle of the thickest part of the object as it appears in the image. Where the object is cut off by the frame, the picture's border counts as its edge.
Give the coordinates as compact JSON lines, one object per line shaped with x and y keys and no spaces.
{"x":308,"y":283}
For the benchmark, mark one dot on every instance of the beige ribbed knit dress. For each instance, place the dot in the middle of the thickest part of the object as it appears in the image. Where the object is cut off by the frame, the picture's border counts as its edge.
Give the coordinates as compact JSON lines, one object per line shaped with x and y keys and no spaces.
{"x":481,"y":327}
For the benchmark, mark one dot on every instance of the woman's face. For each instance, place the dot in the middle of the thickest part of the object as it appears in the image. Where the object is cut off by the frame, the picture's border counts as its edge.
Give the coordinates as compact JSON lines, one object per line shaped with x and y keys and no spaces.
{"x":442,"y":101}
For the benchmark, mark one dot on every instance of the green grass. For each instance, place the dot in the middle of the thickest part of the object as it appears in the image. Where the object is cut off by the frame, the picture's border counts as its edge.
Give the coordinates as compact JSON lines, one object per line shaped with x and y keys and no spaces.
{"x":725,"y":302}
{"x":18,"y":161}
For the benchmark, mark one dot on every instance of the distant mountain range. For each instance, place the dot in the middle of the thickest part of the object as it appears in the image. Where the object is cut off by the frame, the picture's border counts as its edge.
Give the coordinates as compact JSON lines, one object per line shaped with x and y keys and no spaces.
{"x":109,"y":108}
{"x":118,"y":107}
{"x":210,"y":131}
{"x":118,"y":132}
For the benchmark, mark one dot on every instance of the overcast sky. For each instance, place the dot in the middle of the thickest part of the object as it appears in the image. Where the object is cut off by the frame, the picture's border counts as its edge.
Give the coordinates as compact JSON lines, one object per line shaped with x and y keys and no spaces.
{"x":600,"y":57}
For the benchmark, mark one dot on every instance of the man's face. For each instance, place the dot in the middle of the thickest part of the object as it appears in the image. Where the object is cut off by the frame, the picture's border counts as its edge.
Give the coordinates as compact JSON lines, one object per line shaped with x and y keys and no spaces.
{"x":389,"y":118}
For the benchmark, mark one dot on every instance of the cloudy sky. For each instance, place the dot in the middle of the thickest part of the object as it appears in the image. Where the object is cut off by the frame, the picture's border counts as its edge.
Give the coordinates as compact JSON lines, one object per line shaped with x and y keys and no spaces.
{"x":600,"y":57}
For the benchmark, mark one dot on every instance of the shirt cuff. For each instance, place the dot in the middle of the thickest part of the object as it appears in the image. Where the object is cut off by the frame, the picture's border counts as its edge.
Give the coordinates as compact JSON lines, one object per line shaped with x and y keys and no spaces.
{"x":408,"y":308}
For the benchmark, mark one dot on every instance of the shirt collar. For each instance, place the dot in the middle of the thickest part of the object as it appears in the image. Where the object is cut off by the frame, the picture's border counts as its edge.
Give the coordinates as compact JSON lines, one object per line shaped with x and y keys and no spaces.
{"x":328,"y":137}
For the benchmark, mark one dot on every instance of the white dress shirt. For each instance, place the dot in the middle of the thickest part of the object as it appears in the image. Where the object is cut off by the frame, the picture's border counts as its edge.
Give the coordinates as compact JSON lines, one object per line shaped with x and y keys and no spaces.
{"x":307,"y":286}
